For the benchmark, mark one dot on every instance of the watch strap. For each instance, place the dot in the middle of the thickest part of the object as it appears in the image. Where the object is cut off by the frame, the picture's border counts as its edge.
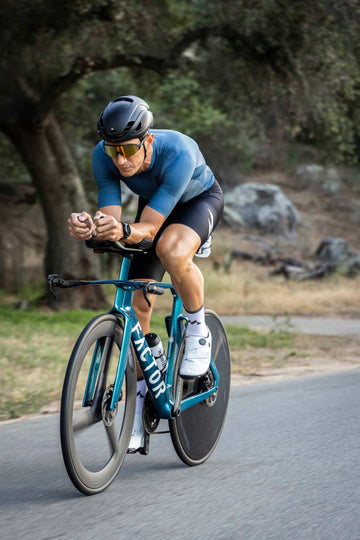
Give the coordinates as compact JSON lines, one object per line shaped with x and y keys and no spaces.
{"x":127,"y":230}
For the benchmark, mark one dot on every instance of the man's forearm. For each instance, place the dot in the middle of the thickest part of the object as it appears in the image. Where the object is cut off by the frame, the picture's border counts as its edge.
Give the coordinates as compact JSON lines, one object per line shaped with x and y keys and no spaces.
{"x":139,"y":231}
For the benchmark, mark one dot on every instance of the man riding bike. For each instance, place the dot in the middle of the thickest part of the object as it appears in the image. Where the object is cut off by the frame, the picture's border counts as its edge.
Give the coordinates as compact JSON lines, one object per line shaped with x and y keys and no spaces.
{"x":180,"y":203}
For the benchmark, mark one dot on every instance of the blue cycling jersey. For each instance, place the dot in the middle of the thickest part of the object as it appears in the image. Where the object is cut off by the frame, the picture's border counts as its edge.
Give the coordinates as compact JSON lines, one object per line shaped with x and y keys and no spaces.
{"x":177,"y":173}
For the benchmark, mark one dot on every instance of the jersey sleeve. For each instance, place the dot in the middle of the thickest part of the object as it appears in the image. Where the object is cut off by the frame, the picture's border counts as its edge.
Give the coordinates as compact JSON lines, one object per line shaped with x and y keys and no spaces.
{"x":175,"y":177}
{"x":106,"y":178}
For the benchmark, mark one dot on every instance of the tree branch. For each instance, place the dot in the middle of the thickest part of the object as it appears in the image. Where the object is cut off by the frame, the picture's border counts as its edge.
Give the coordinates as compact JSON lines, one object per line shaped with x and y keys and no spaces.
{"x":85,"y":65}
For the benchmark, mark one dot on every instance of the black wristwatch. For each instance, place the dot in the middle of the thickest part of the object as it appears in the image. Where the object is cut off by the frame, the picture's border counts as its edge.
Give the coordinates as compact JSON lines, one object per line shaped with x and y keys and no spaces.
{"x":126,"y":229}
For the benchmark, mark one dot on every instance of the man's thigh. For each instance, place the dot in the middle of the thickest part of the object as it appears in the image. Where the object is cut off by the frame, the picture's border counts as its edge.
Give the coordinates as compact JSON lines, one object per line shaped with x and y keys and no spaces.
{"x":200,"y":214}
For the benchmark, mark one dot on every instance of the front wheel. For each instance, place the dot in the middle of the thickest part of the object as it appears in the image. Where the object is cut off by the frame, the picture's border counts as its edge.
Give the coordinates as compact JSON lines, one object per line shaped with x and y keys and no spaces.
{"x":196,"y":432}
{"x":95,"y":438}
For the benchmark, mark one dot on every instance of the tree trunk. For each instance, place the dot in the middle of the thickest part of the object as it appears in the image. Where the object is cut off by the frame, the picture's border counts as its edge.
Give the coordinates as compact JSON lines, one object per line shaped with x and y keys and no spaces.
{"x":46,"y":155}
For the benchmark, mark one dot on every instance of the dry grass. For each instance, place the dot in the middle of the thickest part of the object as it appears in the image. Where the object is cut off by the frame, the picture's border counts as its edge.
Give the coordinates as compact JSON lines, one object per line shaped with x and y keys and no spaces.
{"x":249,"y":289}
{"x":246,"y":292}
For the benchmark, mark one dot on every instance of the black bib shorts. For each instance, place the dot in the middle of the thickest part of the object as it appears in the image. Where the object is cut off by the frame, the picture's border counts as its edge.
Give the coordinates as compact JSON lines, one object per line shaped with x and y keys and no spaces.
{"x":202,"y":214}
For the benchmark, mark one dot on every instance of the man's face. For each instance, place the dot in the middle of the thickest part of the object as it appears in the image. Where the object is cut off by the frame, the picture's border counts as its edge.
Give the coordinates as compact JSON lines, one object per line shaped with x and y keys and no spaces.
{"x":128,"y":166}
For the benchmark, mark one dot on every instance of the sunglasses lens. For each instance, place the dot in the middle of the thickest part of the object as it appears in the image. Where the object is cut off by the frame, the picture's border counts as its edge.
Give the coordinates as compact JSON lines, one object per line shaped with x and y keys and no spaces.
{"x":130,"y":149}
{"x":125,"y":150}
{"x":111,"y":150}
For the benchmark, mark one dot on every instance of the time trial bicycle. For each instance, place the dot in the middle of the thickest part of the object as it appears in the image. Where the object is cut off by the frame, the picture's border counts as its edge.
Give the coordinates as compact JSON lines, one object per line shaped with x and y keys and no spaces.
{"x":99,"y":392}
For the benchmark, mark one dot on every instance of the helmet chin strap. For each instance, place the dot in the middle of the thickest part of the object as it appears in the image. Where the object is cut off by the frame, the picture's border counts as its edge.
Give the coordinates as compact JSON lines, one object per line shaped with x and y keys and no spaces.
{"x":144,"y":152}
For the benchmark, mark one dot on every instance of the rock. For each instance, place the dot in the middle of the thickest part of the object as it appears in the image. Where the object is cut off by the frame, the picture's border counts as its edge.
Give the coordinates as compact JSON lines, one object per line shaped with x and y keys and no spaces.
{"x":337,"y":255}
{"x":263,"y":207}
{"x":334,"y":250}
{"x":317,"y":176}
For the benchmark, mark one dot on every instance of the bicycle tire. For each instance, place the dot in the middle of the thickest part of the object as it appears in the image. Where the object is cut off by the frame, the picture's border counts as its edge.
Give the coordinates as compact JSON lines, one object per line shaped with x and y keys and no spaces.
{"x":94,"y":441}
{"x":196,"y":432}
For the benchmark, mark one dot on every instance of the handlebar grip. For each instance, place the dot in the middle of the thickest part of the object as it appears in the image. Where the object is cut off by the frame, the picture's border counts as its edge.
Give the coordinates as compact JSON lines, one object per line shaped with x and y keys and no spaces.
{"x":154,"y":289}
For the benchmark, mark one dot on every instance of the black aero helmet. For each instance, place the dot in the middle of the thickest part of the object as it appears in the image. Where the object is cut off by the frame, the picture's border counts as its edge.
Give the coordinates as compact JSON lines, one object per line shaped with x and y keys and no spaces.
{"x":125,"y":118}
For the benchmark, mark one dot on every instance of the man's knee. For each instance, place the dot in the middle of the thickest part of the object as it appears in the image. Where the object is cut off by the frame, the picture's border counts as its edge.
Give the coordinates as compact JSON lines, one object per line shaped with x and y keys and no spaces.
{"x":173,"y":252}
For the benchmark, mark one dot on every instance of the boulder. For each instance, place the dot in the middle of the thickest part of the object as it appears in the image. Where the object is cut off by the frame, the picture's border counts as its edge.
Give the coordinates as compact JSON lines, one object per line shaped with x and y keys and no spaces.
{"x":334,"y":250}
{"x":319,"y":177}
{"x":338,"y":256}
{"x":263,"y":207}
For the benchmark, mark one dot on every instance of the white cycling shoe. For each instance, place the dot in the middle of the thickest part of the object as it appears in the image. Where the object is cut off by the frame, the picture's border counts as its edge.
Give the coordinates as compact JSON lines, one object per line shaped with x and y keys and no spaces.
{"x":197,"y":356}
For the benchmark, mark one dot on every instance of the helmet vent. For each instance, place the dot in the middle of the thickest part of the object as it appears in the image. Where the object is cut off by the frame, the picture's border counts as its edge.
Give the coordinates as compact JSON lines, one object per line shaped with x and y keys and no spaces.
{"x":123,"y":98}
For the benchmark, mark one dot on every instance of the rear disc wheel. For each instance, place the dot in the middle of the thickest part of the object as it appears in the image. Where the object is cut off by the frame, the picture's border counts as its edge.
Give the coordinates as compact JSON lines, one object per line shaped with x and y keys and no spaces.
{"x":196,"y":432}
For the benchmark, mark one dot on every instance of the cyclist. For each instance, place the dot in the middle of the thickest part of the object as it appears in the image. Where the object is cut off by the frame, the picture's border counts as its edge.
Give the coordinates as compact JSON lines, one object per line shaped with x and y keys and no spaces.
{"x":180,"y":203}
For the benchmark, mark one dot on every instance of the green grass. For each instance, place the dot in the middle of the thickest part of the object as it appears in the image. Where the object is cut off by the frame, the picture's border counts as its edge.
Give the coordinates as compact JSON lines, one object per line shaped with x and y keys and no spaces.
{"x":241,"y":337}
{"x":35,"y":347}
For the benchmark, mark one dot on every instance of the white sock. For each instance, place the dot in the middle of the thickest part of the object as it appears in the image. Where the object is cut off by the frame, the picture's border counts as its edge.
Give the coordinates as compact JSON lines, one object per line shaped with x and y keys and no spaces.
{"x":140,"y":395}
{"x":196,"y":325}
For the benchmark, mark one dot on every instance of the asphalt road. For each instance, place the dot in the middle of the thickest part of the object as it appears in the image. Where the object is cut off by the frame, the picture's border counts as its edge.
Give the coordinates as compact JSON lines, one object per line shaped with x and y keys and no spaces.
{"x":325,"y":326}
{"x":287,"y":467}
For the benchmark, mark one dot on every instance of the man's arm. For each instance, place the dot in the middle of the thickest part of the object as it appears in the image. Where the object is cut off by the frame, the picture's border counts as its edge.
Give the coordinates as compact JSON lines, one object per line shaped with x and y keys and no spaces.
{"x":108,"y":226}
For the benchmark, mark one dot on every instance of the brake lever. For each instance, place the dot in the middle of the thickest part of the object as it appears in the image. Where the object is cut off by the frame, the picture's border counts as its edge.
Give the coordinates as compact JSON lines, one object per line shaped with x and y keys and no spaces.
{"x":146,"y":297}
{"x":150,"y":288}
{"x":50,"y":283}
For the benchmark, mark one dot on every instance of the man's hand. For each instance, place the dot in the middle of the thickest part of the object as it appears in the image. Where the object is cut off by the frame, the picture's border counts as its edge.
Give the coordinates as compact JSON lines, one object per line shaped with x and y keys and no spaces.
{"x":81,"y":226}
{"x":107,"y":227}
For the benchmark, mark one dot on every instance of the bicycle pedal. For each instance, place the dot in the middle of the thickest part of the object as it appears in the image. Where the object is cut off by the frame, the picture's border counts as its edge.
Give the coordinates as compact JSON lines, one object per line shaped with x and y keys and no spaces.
{"x":143,"y":450}
{"x":188,"y":378}
{"x":195,"y":378}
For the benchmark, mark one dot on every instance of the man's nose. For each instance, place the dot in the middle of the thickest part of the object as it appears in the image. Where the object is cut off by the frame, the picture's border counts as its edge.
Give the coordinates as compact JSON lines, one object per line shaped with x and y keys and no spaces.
{"x":120,"y":159}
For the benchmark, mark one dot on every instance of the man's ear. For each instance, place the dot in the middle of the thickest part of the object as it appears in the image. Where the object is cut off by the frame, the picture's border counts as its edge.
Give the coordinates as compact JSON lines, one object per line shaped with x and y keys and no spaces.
{"x":150,"y":139}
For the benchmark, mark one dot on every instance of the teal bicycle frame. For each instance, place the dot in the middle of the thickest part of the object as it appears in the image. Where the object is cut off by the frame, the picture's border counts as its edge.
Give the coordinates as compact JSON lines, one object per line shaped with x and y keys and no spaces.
{"x":161,"y":389}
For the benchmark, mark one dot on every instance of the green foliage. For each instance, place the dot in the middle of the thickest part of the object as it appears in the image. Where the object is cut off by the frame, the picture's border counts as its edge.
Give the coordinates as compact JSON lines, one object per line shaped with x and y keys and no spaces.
{"x":250,"y":75}
{"x":181,"y":103}
{"x":244,"y":338}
